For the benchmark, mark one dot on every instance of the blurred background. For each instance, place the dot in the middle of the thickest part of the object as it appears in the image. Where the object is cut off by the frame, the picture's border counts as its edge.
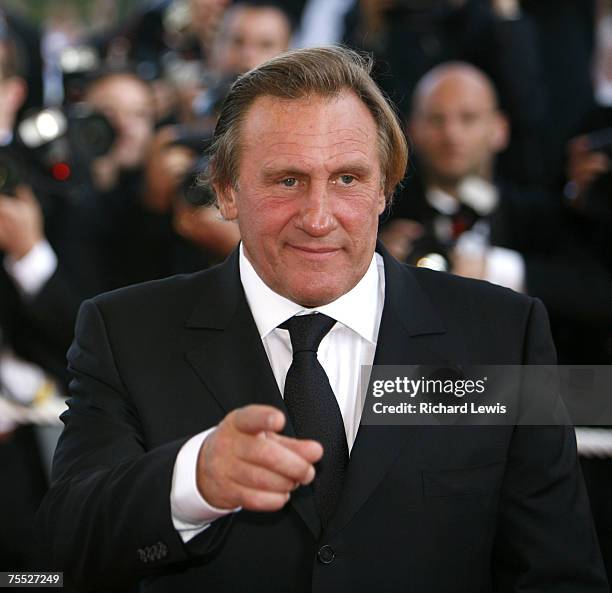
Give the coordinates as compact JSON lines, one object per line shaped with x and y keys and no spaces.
{"x":106,"y":111}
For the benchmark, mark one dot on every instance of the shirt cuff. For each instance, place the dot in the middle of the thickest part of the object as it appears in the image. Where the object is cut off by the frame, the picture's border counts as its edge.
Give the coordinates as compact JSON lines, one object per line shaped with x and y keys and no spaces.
{"x":33,"y":270}
{"x":191,"y":514}
{"x":505,"y":267}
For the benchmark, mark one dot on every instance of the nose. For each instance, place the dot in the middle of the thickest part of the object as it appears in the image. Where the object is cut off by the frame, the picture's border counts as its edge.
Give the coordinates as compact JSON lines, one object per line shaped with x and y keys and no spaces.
{"x":316,"y":216}
{"x":452,"y":129}
{"x":249,"y":58}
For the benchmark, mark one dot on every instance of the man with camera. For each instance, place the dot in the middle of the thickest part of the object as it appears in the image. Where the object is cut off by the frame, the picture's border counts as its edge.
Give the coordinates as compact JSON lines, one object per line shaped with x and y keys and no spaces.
{"x":46,"y":305}
{"x":31,"y":345}
{"x":478,"y":223}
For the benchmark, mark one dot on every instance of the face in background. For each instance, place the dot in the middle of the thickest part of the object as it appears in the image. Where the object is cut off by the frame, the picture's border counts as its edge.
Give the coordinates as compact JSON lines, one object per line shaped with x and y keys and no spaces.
{"x":309,"y":194}
{"x":129,"y":106}
{"x":248,"y":37}
{"x":205,"y":18}
{"x":455,"y":126}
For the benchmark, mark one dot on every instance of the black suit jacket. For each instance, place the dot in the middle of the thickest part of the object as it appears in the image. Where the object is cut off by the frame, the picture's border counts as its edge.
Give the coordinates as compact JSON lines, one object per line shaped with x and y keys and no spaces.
{"x":39,"y":329}
{"x":436,"y":509}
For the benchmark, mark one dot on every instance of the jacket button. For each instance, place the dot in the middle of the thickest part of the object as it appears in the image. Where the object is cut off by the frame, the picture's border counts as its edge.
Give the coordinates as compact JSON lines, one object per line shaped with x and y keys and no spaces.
{"x":326,"y":554}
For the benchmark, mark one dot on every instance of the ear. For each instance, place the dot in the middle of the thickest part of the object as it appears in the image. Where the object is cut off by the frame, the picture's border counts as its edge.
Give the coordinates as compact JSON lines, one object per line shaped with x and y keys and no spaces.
{"x":501,"y":132}
{"x":226,"y":199}
{"x":381,"y":202}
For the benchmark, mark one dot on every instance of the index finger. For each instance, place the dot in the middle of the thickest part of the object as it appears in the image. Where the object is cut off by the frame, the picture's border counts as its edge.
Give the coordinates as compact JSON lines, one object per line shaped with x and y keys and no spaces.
{"x":309,"y":449}
{"x":256,"y":418}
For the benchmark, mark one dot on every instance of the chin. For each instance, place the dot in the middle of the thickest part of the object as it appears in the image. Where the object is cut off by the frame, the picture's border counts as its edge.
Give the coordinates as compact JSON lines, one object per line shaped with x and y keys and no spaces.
{"x":315,"y":296}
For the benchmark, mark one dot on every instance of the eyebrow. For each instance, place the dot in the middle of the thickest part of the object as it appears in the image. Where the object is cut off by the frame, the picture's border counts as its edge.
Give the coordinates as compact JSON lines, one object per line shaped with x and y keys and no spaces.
{"x":359,"y":169}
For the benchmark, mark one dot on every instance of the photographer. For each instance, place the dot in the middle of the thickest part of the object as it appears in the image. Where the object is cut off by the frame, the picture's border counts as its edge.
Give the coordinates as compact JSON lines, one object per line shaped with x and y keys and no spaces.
{"x":201,"y":237}
{"x":32,"y":344}
{"x":126,"y":100}
{"x":131,"y":234}
{"x":250,"y":34}
{"x":48,"y":305}
{"x":588,"y":168}
{"x":516,"y":235}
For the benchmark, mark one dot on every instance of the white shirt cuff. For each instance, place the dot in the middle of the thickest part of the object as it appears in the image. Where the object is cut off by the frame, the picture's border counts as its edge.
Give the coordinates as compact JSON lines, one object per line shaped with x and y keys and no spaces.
{"x":505,"y":267}
{"x":33,"y":270}
{"x":191,"y":514}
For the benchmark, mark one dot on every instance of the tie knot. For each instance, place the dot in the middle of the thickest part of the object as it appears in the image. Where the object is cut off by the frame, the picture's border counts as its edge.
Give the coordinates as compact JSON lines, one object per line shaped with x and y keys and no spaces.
{"x":307,"y":331}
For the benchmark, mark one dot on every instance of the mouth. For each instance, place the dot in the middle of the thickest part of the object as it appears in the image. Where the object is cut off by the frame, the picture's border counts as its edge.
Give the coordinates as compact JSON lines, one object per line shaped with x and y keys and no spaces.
{"x":314,"y":253}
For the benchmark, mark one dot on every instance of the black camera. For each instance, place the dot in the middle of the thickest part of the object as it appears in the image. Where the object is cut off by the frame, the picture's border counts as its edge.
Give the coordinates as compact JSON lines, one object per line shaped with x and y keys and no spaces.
{"x":53,"y":150}
{"x":11,"y":171}
{"x":193,"y":188}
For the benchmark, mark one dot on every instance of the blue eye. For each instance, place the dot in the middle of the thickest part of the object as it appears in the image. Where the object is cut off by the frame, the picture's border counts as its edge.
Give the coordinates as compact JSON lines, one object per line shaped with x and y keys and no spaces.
{"x":347,"y":179}
{"x":289,"y":182}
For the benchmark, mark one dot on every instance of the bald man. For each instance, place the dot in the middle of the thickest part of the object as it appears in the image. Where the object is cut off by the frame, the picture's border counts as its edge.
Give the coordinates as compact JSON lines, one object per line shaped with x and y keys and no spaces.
{"x":453,"y":207}
{"x":456,"y":125}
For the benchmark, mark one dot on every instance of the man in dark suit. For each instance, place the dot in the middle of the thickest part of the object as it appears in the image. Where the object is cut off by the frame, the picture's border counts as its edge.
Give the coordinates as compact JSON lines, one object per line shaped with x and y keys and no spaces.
{"x":182,"y":466}
{"x":25,"y":343}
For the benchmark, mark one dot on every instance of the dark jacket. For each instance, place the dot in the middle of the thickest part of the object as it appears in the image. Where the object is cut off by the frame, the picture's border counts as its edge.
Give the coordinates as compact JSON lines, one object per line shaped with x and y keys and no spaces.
{"x":442,"y":509}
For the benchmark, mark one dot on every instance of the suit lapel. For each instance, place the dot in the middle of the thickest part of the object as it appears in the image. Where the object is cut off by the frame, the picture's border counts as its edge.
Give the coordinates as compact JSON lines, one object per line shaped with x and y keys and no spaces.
{"x":409,"y":333}
{"x":233,"y":365}
{"x":232,"y":362}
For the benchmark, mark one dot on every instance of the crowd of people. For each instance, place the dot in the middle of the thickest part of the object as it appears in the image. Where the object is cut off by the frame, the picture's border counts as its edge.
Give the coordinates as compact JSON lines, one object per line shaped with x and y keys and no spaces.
{"x":103,"y":140}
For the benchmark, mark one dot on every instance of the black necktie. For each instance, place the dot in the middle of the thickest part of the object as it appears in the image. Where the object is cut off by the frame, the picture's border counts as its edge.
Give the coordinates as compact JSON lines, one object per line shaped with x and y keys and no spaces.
{"x":314,"y":410}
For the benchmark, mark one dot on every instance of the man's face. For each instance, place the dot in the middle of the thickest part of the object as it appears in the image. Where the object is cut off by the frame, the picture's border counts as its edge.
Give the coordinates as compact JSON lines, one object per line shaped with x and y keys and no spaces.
{"x":456,"y":128}
{"x":205,"y":16}
{"x":251,"y":36}
{"x":129,"y":107}
{"x":309,"y":194}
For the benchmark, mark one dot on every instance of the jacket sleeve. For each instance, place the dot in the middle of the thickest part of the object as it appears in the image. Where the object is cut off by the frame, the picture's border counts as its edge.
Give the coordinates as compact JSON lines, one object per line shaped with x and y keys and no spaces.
{"x":545,"y":539}
{"x":106,"y":521}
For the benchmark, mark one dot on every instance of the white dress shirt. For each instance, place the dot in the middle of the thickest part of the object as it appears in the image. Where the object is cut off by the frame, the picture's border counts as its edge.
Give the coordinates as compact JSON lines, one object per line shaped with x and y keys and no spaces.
{"x":505,"y":267}
{"x":350,"y":344}
{"x":33,"y":270}
{"x":20,"y":378}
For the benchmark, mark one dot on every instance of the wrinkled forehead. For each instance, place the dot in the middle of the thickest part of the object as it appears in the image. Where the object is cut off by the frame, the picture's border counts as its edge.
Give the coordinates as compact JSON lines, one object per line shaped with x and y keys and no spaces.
{"x":313,"y":121}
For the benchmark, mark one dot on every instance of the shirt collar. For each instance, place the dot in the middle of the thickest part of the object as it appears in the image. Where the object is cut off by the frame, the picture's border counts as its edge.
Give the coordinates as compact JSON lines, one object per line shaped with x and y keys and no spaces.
{"x":474,"y":191}
{"x":356,"y":309}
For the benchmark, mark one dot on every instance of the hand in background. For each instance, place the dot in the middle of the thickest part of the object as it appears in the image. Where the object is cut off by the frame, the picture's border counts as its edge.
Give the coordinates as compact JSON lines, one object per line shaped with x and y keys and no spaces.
{"x":399,"y":235}
{"x":246,"y":463}
{"x":203,"y":226}
{"x":21,"y":222}
{"x":469,"y":265}
{"x":585,"y":165}
{"x":105,"y":172}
